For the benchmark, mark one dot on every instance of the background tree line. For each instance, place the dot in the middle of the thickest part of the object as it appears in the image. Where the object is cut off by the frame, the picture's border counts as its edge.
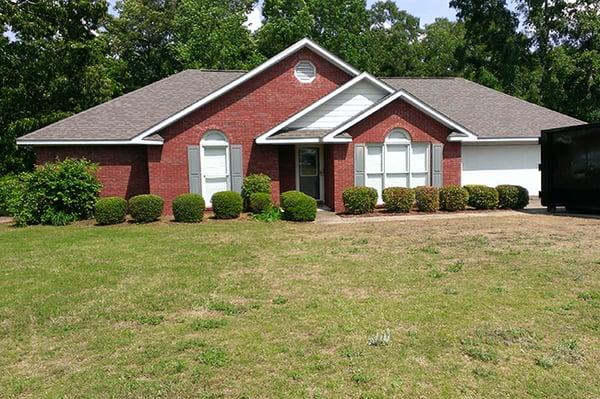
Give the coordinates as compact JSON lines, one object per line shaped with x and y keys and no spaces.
{"x":59,"y":57}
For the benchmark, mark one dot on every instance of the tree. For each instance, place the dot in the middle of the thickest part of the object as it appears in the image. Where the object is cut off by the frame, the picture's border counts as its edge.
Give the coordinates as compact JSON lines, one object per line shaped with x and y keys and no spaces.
{"x":141,"y":38}
{"x":442,"y":39}
{"x":211,"y":34}
{"x":54,"y":65}
{"x":495,"y":52}
{"x":285,"y":22}
{"x":393,"y":40}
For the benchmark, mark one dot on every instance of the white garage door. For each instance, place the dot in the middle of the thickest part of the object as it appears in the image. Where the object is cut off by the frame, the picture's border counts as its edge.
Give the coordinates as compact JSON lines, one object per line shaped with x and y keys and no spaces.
{"x":502,"y":164}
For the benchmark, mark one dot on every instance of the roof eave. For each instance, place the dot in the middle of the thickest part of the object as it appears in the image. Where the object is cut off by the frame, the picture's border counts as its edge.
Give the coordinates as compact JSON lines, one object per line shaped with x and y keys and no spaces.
{"x":85,"y":142}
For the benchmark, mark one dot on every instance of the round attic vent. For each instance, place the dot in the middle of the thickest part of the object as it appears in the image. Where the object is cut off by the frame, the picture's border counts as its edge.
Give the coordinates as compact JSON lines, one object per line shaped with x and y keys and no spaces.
{"x":305,"y":71}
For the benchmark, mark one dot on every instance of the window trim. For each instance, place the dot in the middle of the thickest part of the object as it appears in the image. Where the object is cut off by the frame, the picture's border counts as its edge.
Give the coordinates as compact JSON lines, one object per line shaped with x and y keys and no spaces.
{"x":409,"y":143}
{"x":214,"y":144}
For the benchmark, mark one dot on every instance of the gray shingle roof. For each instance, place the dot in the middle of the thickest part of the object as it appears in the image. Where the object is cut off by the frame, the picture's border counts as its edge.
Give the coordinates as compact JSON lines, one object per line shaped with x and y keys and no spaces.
{"x":485,"y":112}
{"x":131,"y":114}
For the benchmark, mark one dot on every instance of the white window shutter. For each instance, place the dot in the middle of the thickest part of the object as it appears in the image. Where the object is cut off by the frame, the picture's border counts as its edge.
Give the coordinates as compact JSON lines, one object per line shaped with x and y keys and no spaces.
{"x":359,"y":165}
{"x":237,"y":172}
{"x":437,"y":161}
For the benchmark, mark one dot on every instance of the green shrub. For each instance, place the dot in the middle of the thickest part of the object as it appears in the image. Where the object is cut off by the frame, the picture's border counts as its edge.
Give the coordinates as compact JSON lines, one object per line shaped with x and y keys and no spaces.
{"x":398,"y":199}
{"x":271,"y":214}
{"x":146,"y":208}
{"x":359,"y":200}
{"x":453,"y":198}
{"x":188,"y":208}
{"x":427,"y":198}
{"x":11,"y":190}
{"x":512,"y":197}
{"x":255,"y":183}
{"x":227,"y":204}
{"x":260,"y":202}
{"x":58,"y":193}
{"x":482,"y":197}
{"x":110,"y":210}
{"x":298,"y":206}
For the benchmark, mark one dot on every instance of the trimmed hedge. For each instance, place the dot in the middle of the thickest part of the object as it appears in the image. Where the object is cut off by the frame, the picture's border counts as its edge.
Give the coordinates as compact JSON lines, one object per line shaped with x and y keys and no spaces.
{"x":454,"y":198}
{"x":146,"y":208}
{"x":227,"y":204}
{"x":110,"y":210}
{"x":427,"y":198}
{"x":398,"y":199}
{"x":255,"y":183}
{"x":298,"y":207}
{"x":482,"y":197}
{"x":359,"y":200}
{"x":260,"y":202}
{"x":188,"y":208}
{"x":512,"y":197}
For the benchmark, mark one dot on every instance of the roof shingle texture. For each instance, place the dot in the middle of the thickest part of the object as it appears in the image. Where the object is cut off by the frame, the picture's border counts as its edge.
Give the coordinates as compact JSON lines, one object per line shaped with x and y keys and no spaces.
{"x":129,"y":115}
{"x":485,"y":112}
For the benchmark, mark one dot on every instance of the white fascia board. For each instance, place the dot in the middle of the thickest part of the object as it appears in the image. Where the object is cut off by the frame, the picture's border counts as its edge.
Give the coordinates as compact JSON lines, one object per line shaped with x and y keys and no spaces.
{"x":86,"y":142}
{"x":305,"y":141}
{"x":247,"y":76}
{"x":411,"y":100}
{"x":505,"y":140}
{"x":262,"y":139}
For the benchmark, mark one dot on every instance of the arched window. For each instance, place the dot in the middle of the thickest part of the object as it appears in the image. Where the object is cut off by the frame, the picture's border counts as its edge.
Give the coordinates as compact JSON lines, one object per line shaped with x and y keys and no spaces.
{"x":214,"y":164}
{"x":398,"y":162}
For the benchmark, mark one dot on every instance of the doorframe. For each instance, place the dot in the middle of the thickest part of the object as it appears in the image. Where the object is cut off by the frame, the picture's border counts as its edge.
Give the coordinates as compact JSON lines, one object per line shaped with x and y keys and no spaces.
{"x":321,"y":167}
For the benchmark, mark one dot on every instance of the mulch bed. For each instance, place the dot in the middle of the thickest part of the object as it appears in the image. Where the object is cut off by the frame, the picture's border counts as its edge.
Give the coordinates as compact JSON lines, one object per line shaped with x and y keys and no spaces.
{"x":413,"y":212}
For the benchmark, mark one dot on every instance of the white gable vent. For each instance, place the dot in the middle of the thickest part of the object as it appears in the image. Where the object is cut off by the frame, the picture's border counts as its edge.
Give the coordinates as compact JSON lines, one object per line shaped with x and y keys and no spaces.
{"x":305,"y":71}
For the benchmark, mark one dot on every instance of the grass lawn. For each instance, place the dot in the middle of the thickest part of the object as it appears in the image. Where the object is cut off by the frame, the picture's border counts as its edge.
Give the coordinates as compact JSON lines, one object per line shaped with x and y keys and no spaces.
{"x":496,"y":307}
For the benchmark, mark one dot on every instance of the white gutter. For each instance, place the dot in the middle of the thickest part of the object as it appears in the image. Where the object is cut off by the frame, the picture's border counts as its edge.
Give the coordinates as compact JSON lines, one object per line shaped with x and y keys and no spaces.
{"x":86,"y":142}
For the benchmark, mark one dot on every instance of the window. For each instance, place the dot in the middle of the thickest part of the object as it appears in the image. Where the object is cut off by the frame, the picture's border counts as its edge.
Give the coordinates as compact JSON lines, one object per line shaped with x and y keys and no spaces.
{"x":214,"y":164}
{"x":305,"y":71}
{"x":397,"y":163}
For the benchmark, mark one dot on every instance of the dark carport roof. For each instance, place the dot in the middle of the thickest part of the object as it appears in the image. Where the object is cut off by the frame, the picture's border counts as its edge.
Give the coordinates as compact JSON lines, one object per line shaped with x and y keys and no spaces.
{"x":129,"y":115}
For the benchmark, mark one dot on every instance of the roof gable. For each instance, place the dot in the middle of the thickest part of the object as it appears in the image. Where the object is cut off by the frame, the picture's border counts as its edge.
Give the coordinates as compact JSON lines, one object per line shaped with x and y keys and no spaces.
{"x":462,"y":133}
{"x":330,"y":111}
{"x":136,"y":116}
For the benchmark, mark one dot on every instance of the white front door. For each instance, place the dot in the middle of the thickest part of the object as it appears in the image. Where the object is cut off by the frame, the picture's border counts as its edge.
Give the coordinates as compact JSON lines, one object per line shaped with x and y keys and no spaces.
{"x":215,"y":170}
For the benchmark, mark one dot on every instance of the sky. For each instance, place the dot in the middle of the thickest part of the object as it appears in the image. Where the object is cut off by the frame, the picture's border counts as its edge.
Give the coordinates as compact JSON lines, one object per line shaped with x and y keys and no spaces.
{"x":426,"y":10}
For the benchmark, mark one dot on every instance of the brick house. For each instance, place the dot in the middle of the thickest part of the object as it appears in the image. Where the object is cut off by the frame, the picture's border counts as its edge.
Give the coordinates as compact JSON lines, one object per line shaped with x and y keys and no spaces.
{"x":311,"y":122}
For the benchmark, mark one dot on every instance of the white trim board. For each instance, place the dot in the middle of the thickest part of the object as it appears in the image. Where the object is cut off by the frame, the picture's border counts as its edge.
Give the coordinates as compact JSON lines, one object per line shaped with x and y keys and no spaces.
{"x":262,"y":139}
{"x":409,"y":98}
{"x":247,"y":76}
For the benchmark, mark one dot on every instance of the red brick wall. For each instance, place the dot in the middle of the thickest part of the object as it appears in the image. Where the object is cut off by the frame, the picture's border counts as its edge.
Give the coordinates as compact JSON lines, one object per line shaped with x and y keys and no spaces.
{"x":375,"y":128}
{"x":123,"y":170}
{"x":243,"y":114}
{"x":287,"y":168}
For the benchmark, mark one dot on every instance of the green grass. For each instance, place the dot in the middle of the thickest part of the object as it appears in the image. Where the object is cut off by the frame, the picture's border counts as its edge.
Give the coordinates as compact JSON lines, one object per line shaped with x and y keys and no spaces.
{"x":484,"y":307}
